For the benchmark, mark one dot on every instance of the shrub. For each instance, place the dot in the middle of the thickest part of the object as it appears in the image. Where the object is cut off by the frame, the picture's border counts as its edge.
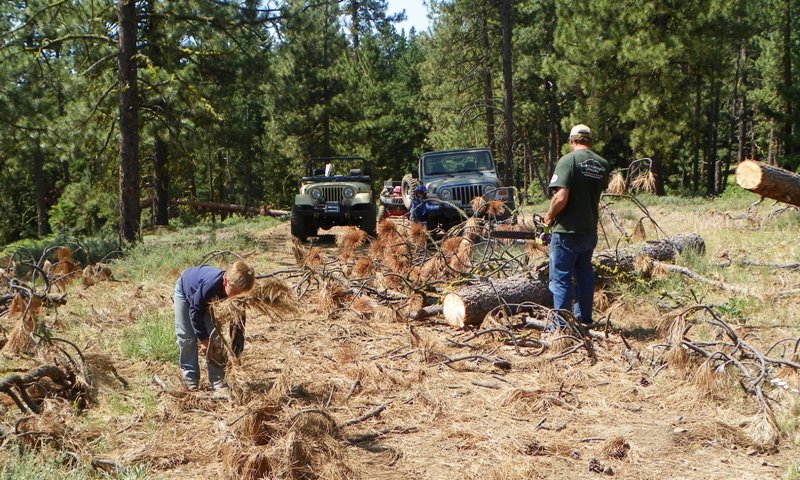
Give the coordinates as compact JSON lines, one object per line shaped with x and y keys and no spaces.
{"x":84,"y":209}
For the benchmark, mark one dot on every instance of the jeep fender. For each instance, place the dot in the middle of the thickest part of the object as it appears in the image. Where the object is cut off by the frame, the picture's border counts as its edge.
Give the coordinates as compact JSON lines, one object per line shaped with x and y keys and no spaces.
{"x":302,"y":199}
{"x":360,"y":198}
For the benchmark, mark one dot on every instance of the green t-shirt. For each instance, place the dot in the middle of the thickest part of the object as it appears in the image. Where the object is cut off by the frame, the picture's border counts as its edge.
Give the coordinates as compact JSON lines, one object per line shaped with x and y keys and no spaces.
{"x":585,"y":174}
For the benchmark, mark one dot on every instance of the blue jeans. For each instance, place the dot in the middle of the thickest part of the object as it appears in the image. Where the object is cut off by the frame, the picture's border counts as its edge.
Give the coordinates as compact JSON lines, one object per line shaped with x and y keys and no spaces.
{"x":187,"y":344}
{"x":571,"y":273}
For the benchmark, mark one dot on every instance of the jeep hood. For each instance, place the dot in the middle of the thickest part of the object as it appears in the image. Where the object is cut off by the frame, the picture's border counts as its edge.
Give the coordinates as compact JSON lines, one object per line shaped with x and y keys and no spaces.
{"x":453,"y":181}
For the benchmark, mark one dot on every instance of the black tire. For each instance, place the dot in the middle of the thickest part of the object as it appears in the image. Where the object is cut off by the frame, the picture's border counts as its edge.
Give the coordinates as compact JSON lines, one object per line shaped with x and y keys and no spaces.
{"x":299,"y":227}
{"x":407,"y":187}
{"x":369,"y":222}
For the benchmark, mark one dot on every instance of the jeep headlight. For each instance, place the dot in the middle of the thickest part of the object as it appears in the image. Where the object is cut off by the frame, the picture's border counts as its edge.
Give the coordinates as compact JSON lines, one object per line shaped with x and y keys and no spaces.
{"x":315,"y":193}
{"x":487,"y":189}
{"x":349,"y":192}
{"x":446,"y":194}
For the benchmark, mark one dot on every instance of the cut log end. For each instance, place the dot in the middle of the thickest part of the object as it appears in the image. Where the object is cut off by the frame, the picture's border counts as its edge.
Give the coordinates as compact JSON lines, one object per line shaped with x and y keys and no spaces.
{"x":454,"y":310}
{"x":748,"y":174}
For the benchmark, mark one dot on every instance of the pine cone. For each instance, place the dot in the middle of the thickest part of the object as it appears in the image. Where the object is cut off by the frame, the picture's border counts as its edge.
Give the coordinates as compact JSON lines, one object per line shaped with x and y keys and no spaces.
{"x":595,"y":466}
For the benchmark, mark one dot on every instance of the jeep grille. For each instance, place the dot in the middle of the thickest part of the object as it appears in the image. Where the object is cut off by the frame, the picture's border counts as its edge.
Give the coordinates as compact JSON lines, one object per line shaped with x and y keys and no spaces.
{"x":332,"y":194}
{"x":464,"y":194}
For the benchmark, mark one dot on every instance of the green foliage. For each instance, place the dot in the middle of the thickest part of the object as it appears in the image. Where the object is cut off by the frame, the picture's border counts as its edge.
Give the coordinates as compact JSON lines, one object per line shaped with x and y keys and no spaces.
{"x":84,"y":251}
{"x":84,"y":210}
{"x":733,"y":309}
{"x":238,"y":96}
{"x":151,"y":338}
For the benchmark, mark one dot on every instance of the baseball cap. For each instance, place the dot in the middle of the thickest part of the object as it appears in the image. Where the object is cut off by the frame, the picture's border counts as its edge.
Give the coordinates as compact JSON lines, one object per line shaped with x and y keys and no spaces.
{"x":580,"y":130}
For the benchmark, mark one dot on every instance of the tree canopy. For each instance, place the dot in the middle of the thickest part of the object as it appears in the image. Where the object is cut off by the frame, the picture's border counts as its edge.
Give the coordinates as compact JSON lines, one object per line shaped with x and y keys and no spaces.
{"x":113,"y":108}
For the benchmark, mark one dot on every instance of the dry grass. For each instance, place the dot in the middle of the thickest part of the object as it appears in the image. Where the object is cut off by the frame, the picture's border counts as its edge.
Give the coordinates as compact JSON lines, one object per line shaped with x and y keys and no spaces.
{"x":541,"y":419}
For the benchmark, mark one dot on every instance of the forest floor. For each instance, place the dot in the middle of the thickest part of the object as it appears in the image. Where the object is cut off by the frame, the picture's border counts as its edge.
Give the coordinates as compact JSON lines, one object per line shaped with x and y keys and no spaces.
{"x":307,"y":380}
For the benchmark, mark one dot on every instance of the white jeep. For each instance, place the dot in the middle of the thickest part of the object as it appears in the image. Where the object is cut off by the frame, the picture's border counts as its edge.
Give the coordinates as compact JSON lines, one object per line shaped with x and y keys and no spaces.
{"x":334,"y":191}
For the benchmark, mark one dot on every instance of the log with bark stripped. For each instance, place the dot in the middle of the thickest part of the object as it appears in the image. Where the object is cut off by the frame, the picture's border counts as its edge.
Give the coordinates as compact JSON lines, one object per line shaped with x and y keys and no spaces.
{"x":469,"y":305}
{"x":768,"y":181}
{"x":231,"y":208}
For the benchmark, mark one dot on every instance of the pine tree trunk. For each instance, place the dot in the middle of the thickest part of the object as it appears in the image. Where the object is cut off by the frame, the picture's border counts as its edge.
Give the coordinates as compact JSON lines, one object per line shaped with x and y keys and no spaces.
{"x":508,"y":131}
{"x":788,"y":140}
{"x":469,"y":305}
{"x":769,"y":181}
{"x":128,"y":122}
{"x":37,"y":166}
{"x":488,"y":87}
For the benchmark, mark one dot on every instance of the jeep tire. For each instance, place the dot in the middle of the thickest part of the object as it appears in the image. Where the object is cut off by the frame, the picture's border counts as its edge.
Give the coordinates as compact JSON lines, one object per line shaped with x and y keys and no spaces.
{"x":301,"y":226}
{"x":407,"y":187}
{"x":369,"y":221}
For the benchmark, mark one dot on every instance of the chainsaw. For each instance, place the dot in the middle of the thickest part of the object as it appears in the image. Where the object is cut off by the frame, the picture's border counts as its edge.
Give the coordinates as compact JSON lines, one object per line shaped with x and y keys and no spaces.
{"x":541,"y":232}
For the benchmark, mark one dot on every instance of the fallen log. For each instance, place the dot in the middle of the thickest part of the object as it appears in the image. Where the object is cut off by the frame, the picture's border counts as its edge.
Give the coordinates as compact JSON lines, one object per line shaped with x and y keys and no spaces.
{"x":468,"y":306}
{"x":231,"y":208}
{"x":768,"y":181}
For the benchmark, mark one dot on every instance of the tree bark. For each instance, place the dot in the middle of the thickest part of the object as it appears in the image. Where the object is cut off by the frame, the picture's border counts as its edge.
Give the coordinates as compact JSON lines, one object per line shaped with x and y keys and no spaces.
{"x":43,"y":222}
{"x":469,"y":305}
{"x":128,"y":122}
{"x":786,"y":64}
{"x":488,"y":88}
{"x":768,"y":181}
{"x":508,"y":131}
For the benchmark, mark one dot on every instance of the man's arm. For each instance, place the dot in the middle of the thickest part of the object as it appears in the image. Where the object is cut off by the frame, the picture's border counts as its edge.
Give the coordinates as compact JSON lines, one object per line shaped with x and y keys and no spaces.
{"x":557,"y":204}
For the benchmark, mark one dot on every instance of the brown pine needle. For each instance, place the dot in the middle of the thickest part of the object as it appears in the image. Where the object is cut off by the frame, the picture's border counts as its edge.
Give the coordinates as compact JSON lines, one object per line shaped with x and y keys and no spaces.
{"x":362,"y":267}
{"x":617,"y":184}
{"x":386,"y":228}
{"x":639,"y":233}
{"x":616,"y":447}
{"x":477,"y":204}
{"x":351,"y":239}
{"x":644,"y":183}
{"x":418,"y":234}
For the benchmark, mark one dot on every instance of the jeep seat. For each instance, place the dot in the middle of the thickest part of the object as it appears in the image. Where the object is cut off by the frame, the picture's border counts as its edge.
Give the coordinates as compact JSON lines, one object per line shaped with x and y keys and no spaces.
{"x":356,"y":172}
{"x":318,"y":172}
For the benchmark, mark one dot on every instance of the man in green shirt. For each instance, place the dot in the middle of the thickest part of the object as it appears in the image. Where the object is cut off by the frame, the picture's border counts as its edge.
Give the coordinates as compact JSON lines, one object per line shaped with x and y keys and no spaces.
{"x":579,"y":179}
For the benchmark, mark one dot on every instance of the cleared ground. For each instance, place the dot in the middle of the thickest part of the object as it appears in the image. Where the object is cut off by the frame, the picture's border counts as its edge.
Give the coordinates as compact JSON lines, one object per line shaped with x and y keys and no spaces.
{"x":304,"y":376}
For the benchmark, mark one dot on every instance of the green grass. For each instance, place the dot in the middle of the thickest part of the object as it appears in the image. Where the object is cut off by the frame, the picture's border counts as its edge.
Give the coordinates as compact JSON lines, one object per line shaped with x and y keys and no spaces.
{"x":792,"y":472}
{"x":165,"y":252}
{"x":55,"y":467}
{"x":152,"y":338}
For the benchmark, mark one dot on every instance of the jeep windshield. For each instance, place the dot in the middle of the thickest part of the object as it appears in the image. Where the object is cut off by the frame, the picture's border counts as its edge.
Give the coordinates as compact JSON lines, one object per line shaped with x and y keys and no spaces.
{"x":449,"y":163}
{"x":336,"y":168}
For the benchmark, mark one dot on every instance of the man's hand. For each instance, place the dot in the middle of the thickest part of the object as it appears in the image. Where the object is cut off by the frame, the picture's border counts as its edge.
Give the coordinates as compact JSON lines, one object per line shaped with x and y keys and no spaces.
{"x":202,"y":346}
{"x":548,"y":220}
